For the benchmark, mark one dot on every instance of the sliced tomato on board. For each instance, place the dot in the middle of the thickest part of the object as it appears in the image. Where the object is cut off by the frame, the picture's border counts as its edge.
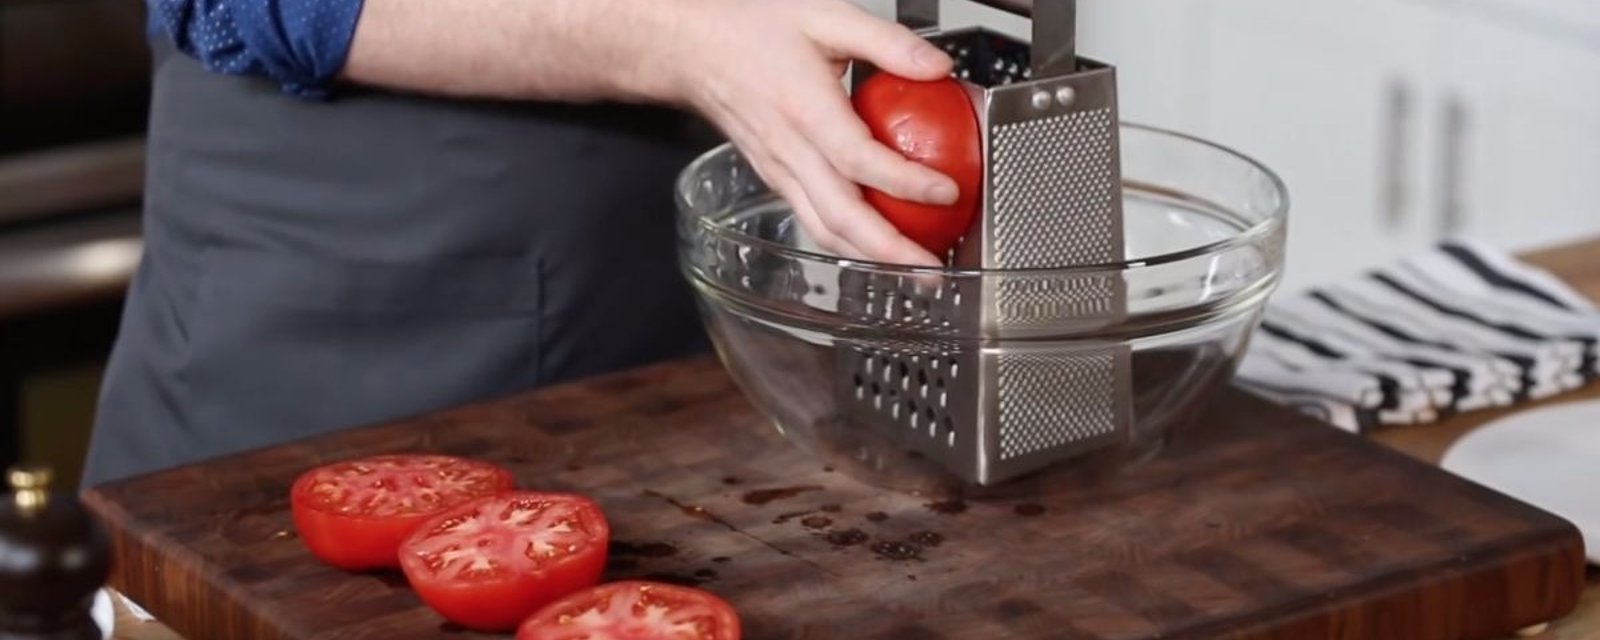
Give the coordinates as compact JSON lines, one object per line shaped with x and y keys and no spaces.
{"x":935,"y":124}
{"x":354,"y":514}
{"x":634,"y":610}
{"x":489,"y":564}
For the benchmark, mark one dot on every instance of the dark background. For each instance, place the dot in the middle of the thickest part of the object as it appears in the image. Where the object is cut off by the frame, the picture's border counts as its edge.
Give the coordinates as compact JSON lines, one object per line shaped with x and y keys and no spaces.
{"x":74,"y":90}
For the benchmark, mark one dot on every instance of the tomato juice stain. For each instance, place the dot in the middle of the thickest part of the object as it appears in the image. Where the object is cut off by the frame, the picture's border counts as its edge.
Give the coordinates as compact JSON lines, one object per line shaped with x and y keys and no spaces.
{"x":847,"y":538}
{"x":1028,"y":510}
{"x":947,"y":507}
{"x":690,"y":510}
{"x":927,"y":538}
{"x":253,"y":525}
{"x":877,"y":516}
{"x":785,"y":517}
{"x":730,"y":481}
{"x":816,"y":522}
{"x":765,"y":496}
{"x":893,"y":550}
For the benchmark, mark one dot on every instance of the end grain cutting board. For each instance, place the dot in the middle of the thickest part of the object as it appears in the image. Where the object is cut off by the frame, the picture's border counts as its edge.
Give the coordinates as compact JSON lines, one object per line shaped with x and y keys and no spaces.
{"x":1256,"y":523}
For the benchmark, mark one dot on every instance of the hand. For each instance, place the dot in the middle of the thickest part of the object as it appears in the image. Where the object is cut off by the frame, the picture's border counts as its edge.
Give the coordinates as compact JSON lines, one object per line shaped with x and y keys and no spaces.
{"x":768,"y":73}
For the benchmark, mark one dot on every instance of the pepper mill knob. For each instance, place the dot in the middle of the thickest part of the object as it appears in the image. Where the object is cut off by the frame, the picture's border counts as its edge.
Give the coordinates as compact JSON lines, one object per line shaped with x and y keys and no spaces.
{"x":54,"y":558}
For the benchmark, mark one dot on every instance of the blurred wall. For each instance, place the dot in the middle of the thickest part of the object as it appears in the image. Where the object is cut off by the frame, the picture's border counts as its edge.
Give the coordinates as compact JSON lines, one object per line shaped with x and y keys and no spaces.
{"x":70,"y":71}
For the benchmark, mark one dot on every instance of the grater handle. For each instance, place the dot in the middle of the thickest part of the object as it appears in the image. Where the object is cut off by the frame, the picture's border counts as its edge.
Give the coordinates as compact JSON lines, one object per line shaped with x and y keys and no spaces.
{"x":1055,"y":28}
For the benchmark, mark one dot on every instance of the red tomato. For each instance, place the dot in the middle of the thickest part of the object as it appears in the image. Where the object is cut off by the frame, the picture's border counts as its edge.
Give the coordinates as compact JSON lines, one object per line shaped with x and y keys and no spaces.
{"x":634,"y":610}
{"x":354,"y":514}
{"x":489,"y":564}
{"x":932,"y":123}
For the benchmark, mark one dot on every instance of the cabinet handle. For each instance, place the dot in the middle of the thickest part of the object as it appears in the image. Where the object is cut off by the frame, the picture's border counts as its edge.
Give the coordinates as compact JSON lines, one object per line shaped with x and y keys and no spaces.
{"x":1394,"y":167}
{"x":1452,"y":207}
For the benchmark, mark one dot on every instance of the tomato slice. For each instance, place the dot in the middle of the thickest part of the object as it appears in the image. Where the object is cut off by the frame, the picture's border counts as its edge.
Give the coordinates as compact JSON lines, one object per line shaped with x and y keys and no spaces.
{"x":935,"y":124}
{"x":489,"y":564}
{"x":634,"y":610}
{"x":354,"y":514}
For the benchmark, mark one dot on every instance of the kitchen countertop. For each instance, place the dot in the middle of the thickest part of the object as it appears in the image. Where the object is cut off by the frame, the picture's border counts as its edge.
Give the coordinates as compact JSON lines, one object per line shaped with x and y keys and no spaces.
{"x":1578,"y":264}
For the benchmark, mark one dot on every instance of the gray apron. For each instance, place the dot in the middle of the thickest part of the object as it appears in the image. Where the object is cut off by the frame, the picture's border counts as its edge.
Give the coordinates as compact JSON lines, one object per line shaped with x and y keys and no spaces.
{"x":315,"y":266}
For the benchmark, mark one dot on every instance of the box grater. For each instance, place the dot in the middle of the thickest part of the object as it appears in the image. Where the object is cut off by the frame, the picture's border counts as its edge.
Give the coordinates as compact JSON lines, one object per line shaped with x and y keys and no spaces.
{"x":1052,"y":199}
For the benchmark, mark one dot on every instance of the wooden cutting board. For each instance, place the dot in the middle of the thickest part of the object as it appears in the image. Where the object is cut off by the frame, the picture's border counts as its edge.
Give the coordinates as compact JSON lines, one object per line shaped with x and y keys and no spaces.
{"x":1256,"y":523}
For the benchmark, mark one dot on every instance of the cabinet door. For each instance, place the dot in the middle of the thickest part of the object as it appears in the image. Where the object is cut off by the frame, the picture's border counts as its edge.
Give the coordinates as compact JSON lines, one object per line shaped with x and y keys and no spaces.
{"x":1572,"y":20}
{"x":1521,"y":151}
{"x":1158,"y":47}
{"x":1329,"y":95}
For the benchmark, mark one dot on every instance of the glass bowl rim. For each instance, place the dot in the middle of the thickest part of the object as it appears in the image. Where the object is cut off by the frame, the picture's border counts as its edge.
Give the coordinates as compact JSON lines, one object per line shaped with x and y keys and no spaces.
{"x":1260,"y":230}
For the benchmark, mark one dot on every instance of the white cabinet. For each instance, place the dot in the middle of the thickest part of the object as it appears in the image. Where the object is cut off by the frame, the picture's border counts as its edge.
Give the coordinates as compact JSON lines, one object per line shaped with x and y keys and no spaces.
{"x":1158,"y":51}
{"x":1520,"y":141}
{"x":1335,"y":111}
{"x":1577,"y":20}
{"x":1395,"y":123}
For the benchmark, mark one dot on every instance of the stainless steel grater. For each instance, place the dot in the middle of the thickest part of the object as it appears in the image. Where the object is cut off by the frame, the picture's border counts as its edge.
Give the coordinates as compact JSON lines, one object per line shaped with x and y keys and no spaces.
{"x":1052,"y":199}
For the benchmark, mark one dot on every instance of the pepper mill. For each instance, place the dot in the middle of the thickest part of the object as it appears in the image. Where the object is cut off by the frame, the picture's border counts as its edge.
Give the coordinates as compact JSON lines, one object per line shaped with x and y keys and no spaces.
{"x":54,"y":558}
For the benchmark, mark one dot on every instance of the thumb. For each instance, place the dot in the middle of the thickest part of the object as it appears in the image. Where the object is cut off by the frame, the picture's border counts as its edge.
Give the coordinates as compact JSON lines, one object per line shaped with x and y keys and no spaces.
{"x":850,"y":31}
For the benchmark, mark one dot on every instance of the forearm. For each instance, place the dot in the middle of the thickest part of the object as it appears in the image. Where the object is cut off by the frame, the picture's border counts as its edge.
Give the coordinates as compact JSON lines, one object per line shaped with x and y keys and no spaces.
{"x":567,"y":50}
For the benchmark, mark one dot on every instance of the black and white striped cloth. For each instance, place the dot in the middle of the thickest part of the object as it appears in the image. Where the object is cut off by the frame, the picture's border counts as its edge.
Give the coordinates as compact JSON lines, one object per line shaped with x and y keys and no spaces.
{"x":1461,"y":327}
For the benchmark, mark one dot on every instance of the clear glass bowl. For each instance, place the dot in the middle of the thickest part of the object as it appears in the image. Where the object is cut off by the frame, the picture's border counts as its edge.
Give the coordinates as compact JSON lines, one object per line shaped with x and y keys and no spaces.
{"x":1204,"y":230}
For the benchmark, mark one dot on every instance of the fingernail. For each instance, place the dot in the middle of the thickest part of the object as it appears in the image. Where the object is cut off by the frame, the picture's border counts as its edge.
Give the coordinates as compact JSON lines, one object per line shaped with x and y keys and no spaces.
{"x":931,"y":58}
{"x":942,"y":193}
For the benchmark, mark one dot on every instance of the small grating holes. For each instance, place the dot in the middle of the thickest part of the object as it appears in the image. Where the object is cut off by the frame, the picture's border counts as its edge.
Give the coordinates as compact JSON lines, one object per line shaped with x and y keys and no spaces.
{"x":1023,"y":302}
{"x":1056,"y":191}
{"x":1054,"y":400}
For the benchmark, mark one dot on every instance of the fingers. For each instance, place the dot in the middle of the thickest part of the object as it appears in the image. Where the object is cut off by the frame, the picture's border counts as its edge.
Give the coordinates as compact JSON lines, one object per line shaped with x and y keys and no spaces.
{"x":841,"y":210}
{"x":850,"y":31}
{"x":777,"y":176}
{"x":832,"y":125}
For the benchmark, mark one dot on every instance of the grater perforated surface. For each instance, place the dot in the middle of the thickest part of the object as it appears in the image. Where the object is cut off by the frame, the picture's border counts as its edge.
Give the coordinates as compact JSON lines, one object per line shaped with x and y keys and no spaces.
{"x":1023,"y":302}
{"x":1041,"y":400}
{"x":1052,"y":198}
{"x":1055,"y":191}
{"x":912,"y":389}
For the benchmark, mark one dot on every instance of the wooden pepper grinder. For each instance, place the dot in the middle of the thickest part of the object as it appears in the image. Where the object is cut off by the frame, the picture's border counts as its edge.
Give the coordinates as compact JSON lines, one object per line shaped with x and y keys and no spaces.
{"x":54,"y":558}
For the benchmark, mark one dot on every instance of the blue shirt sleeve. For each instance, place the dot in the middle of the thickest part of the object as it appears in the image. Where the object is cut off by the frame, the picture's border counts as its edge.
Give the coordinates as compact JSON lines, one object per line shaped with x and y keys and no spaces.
{"x":300,"y":44}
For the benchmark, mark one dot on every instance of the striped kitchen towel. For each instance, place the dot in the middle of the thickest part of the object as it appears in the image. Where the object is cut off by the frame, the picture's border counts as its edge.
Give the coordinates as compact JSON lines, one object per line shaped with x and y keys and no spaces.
{"x":1459,"y":328}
